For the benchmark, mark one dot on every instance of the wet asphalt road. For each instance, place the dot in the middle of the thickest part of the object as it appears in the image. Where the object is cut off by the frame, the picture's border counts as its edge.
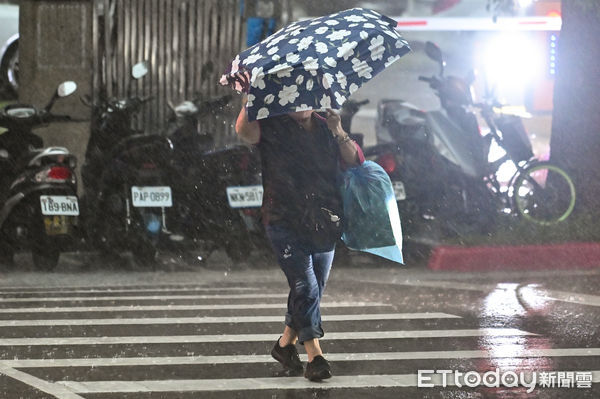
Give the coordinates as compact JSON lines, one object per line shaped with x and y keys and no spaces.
{"x":206,"y":332}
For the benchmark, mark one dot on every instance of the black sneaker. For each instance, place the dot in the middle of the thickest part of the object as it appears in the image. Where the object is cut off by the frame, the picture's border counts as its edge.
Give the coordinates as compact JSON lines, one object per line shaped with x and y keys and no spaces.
{"x":318,"y":369}
{"x":287,"y":356}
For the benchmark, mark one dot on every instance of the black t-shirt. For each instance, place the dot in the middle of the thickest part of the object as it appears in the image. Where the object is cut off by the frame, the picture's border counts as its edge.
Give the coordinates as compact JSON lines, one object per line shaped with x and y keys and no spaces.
{"x":300,"y":169}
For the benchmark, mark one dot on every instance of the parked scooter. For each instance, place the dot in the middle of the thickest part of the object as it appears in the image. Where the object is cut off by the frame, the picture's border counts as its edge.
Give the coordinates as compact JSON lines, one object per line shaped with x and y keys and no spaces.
{"x":38,"y":187}
{"x":217,"y":191}
{"x":436,"y":160}
{"x":439,"y":163}
{"x":126,"y":182}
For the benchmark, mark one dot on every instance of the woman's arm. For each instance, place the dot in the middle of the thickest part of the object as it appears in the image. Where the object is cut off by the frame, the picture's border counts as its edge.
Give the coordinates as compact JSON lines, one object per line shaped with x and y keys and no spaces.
{"x":349,"y":150}
{"x":246,"y":130}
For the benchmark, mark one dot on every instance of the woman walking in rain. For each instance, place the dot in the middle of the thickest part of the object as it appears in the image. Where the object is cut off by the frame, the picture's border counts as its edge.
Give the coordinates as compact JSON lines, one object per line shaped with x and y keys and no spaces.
{"x":310,"y":64}
{"x":302,"y":153}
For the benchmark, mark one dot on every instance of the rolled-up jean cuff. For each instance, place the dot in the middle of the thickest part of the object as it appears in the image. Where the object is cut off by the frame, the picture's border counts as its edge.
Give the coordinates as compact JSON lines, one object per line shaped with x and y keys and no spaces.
{"x":308,"y":333}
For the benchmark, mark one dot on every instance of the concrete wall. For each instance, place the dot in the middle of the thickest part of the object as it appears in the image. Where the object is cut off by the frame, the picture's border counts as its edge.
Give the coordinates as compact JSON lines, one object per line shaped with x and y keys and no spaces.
{"x":54,"y":46}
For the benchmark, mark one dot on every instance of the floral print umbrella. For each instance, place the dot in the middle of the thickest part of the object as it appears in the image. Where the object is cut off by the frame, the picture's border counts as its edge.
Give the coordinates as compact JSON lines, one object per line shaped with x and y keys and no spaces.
{"x":316,"y":63}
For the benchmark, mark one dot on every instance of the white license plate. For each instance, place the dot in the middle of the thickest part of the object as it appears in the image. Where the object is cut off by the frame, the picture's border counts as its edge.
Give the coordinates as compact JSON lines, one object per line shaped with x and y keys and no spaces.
{"x":245,"y":196}
{"x":59,"y":205}
{"x":151,"y":197}
{"x":399,"y":190}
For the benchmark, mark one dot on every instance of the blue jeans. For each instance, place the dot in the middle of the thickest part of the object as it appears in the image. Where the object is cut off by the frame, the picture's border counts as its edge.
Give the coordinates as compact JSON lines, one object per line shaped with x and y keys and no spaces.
{"x":306,"y":268}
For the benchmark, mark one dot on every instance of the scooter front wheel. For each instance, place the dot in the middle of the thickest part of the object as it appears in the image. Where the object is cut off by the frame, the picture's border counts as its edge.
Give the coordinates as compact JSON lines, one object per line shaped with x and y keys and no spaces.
{"x":544,"y":194}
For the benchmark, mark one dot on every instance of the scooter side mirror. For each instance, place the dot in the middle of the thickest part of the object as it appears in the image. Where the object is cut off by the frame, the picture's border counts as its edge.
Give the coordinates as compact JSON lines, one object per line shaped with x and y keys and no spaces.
{"x":139,"y":70}
{"x":66,"y":88}
{"x":434,"y":52}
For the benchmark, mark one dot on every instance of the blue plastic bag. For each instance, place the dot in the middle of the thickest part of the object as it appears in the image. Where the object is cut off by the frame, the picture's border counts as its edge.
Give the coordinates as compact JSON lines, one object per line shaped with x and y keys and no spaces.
{"x":371,"y":218}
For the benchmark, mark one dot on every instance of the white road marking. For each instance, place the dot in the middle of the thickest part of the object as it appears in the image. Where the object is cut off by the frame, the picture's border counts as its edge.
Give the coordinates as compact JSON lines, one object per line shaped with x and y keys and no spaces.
{"x":246,"y":384}
{"x":235,"y":359}
{"x":215,"y":320}
{"x":141,"y":298}
{"x":137,"y":308}
{"x":110,"y":291}
{"x":547,"y":294}
{"x":56,"y":390}
{"x":362,"y":335}
{"x":571,"y":297}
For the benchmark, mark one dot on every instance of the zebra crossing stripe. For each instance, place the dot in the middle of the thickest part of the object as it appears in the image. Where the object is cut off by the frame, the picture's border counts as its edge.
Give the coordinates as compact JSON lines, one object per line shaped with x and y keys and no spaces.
{"x":571,"y":297}
{"x":362,"y":335}
{"x":254,"y":384}
{"x":110,"y":291}
{"x":56,"y":390}
{"x":137,"y":308}
{"x":140,"y":298}
{"x":215,"y":320}
{"x":334,"y":357}
{"x":541,"y":293}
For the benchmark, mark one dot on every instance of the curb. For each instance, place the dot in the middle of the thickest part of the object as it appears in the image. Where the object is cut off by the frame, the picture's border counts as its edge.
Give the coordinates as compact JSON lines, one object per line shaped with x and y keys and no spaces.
{"x":522,"y":257}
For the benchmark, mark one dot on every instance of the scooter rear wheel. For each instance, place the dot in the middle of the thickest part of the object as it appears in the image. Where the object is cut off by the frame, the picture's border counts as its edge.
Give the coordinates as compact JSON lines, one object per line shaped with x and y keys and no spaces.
{"x":544,"y":194}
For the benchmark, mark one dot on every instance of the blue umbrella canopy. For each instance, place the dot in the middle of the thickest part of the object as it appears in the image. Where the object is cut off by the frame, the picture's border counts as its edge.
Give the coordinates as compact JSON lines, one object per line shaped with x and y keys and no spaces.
{"x":316,"y":63}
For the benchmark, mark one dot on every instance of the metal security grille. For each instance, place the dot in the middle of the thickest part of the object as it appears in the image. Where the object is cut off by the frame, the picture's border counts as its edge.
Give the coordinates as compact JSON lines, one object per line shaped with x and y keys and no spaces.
{"x":188,"y":44}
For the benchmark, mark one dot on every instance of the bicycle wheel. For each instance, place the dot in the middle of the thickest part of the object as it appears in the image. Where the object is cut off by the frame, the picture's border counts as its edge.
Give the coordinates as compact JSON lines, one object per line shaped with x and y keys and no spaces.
{"x":543,"y":193}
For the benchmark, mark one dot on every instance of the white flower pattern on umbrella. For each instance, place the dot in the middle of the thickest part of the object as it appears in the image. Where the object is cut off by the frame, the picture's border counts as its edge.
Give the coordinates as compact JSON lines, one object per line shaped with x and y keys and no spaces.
{"x":288,"y":94}
{"x":346,"y":50}
{"x":327,"y":80}
{"x":316,"y":63}
{"x":303,"y":107}
{"x":391,"y":60}
{"x":325,"y":101}
{"x":262,"y":113}
{"x":304,"y":43}
{"x":269,"y":98}
{"x":281,"y":70}
{"x":361,"y":68}
{"x":292,"y":58}
{"x":258,"y":78}
{"x":341,"y":79}
{"x":355,"y":18}
{"x":250,"y":101}
{"x":311,"y":65}
{"x":321,"y":48}
{"x":376,"y":48}
{"x":338,"y":34}
{"x":252,"y":59}
{"x":331,"y":61}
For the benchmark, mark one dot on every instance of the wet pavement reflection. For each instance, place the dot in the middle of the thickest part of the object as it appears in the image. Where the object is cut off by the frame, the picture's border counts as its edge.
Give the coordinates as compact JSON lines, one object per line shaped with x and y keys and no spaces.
{"x":389,"y":332}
